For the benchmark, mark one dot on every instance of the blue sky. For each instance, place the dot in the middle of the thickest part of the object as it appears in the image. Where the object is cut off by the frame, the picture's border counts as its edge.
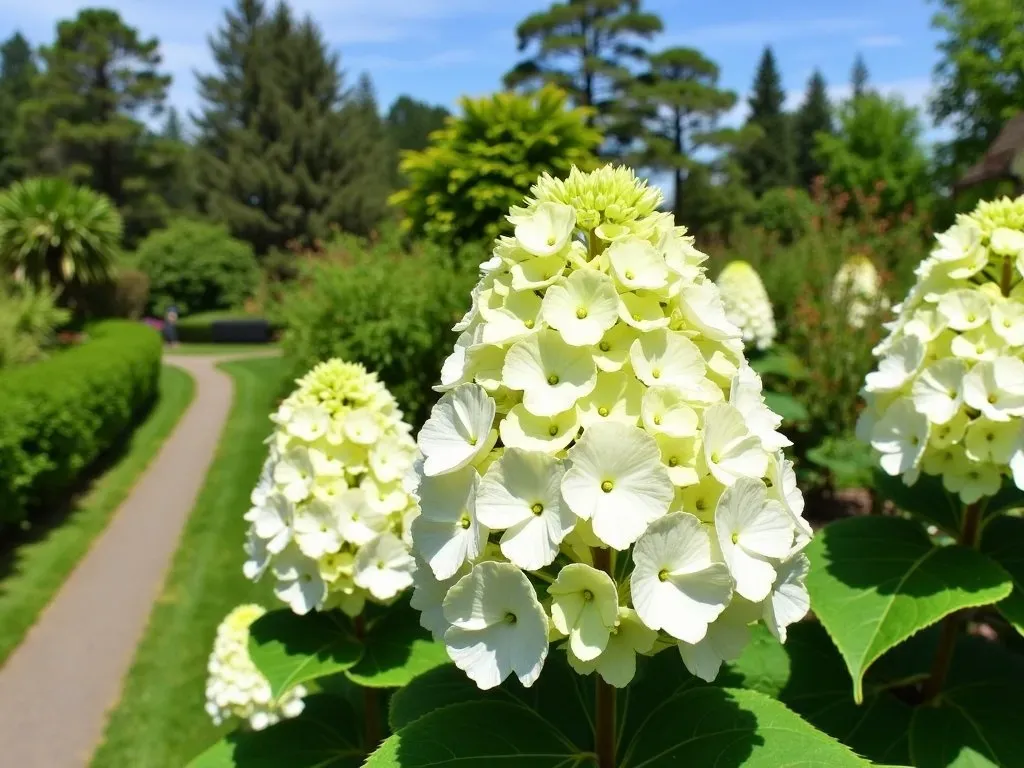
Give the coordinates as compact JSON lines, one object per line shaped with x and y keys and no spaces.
{"x":437,"y":50}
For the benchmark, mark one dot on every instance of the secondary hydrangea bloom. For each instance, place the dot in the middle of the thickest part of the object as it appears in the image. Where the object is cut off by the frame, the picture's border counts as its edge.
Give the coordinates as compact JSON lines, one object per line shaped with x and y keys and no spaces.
{"x":947,"y":397}
{"x":747,"y":304}
{"x":331,"y":513}
{"x":601,"y":471}
{"x":235,"y":688}
{"x":858,"y":283}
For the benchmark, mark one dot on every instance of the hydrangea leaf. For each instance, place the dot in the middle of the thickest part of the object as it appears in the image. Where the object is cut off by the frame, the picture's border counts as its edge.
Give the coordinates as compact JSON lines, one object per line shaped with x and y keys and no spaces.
{"x":1003,"y":541}
{"x":718,"y":726}
{"x":290,"y":649}
{"x":480,"y":734}
{"x":433,"y":690}
{"x":397,"y":650}
{"x":876,"y":581}
{"x":926,"y":498}
{"x":323,"y":736}
{"x":787,"y":406}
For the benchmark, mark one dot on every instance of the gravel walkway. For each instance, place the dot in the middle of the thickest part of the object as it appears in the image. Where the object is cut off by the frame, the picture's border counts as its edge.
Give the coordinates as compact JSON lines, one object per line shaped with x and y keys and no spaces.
{"x":59,"y":684}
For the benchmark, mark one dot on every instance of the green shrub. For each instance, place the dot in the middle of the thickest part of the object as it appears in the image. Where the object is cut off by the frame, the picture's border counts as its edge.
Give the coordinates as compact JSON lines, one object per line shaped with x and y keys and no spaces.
{"x":197,"y":266}
{"x":390,"y":311}
{"x":786,"y":212}
{"x":480,"y":164}
{"x":54,"y":232}
{"x":28,"y":319}
{"x":59,"y":415}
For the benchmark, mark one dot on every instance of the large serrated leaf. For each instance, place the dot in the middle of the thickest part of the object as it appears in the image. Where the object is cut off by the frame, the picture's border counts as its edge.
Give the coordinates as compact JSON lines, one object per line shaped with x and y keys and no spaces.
{"x":323,"y":736}
{"x":397,"y":649}
{"x":876,"y":581}
{"x":787,"y":406}
{"x":717,"y":726}
{"x":1003,"y":541}
{"x":440,"y":687}
{"x":927,"y":499}
{"x":290,"y":649}
{"x":479,"y":734}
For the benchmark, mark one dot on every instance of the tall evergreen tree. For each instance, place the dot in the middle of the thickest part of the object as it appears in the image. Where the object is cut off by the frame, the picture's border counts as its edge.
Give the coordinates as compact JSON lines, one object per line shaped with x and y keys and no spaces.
{"x":85,"y":117}
{"x":284,"y":152}
{"x":813,"y":117}
{"x":410,"y":122}
{"x":17,"y":71}
{"x":770,"y":160}
{"x":678,"y":102}
{"x":173,"y":130}
{"x":584,"y":47}
{"x":859,"y":77}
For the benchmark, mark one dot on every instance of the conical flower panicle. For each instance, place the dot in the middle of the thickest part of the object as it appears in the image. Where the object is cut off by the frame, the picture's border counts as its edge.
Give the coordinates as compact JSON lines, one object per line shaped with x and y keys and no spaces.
{"x":331,"y":513}
{"x":601,"y":434}
{"x":947,"y":398}
{"x":858,"y":284}
{"x":235,"y":688}
{"x":747,"y":305}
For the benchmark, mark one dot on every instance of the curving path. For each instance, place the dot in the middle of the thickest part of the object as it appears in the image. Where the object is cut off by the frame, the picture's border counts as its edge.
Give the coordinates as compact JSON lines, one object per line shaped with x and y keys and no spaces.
{"x":58,"y":685}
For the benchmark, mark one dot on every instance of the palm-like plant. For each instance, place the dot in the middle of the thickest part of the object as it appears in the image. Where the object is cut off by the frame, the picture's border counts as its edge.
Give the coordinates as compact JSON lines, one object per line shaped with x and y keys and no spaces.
{"x":53,"y":232}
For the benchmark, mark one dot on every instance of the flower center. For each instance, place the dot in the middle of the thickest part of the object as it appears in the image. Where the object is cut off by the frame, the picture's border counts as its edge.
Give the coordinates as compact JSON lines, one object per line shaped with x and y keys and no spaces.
{"x":551,"y":240}
{"x":307,"y":578}
{"x":636,"y":318}
{"x":553,"y":430}
{"x":581,"y":313}
{"x":673,"y":461}
{"x":587,"y":595}
{"x":464,"y":521}
{"x":992,"y":399}
{"x":656,"y":373}
{"x":553,"y":379}
{"x":715,"y":458}
{"x":768,"y":482}
{"x":602,"y":411}
{"x":511,"y":618}
{"x":657,"y":419}
{"x":604,"y":346}
{"x":607,"y":486}
{"x":701,"y":505}
{"x":629,"y":274}
{"x":537,"y":508}
{"x":380,"y":565}
{"x":528,"y":323}
{"x":663,"y":575}
{"x":735,"y":538}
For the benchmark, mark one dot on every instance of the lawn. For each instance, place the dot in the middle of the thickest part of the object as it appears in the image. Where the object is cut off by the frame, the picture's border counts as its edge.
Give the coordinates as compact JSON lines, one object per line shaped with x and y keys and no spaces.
{"x":42,"y":557}
{"x":220,"y":349}
{"x":160,"y":722}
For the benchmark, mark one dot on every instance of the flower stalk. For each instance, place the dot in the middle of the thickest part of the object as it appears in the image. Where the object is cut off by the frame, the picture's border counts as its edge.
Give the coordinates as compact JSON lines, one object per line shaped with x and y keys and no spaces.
{"x":371,"y":705}
{"x":605,"y":725}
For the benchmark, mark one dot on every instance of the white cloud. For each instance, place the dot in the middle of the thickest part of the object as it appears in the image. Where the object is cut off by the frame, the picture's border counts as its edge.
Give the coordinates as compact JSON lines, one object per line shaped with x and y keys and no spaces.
{"x":880,"y":41}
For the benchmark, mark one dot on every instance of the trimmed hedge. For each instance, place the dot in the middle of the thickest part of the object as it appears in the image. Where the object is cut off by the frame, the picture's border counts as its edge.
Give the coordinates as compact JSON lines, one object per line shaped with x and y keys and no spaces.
{"x":225,"y":327}
{"x":61,"y":414}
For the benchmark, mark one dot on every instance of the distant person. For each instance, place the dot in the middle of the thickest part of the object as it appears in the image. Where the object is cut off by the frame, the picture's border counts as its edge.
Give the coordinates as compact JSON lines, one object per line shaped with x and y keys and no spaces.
{"x":171,"y":325}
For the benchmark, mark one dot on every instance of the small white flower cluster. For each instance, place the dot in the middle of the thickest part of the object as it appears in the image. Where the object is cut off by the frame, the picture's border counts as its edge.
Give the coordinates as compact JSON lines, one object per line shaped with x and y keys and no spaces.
{"x":235,"y":687}
{"x":947,"y":398}
{"x":859,"y":285}
{"x":747,"y":305}
{"x":331,"y":512}
{"x":638,"y":498}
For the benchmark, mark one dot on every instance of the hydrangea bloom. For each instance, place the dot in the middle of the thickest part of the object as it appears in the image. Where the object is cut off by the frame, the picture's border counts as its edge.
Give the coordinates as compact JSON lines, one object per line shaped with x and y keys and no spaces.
{"x":601,"y":434}
{"x":330,"y":515}
{"x":947,"y":397}
{"x":235,"y":687}
{"x":858,"y":283}
{"x":747,"y":304}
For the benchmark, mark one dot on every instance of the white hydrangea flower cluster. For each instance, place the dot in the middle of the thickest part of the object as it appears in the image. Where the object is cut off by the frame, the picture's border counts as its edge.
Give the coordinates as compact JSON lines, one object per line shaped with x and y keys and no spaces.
{"x":859,"y":285}
{"x":602,"y":471}
{"x":947,"y":397}
{"x":330,"y":515}
{"x":235,"y":687}
{"x":747,"y":305}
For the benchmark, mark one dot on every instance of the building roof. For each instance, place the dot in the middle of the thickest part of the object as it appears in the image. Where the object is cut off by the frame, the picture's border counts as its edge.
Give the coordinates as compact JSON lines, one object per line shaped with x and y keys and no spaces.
{"x":1003,"y":159}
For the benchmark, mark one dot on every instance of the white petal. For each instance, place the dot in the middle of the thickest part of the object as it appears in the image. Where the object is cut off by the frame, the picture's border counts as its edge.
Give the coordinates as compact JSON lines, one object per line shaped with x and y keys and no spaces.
{"x":457,"y":430}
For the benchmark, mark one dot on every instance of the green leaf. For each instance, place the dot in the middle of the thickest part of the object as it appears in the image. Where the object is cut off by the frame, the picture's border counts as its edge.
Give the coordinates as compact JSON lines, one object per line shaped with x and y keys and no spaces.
{"x":323,"y":736}
{"x":397,"y":650}
{"x":849,"y":460}
{"x":1008,"y":497}
{"x":975,"y":725}
{"x":779,"y":362}
{"x":807,"y":674}
{"x":432,"y":690}
{"x":875,"y":581}
{"x":290,"y":649}
{"x":718,"y":726}
{"x":1003,"y":541}
{"x":787,"y":406}
{"x":926,"y":499}
{"x":479,"y":734}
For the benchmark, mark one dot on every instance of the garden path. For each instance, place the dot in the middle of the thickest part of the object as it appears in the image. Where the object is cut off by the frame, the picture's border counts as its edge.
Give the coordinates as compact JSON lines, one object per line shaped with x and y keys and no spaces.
{"x":59,"y":684}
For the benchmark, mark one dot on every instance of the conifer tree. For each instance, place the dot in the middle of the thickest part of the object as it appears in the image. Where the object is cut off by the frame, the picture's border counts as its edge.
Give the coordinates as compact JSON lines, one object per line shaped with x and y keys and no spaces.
{"x":770,"y":160}
{"x":17,"y":71}
{"x":859,"y":77}
{"x":85,"y":118}
{"x":813,"y":117}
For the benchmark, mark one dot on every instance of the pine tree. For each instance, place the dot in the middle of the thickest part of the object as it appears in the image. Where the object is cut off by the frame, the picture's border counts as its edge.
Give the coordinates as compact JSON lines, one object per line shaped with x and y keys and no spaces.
{"x":173,"y":130}
{"x":770,"y":160}
{"x":813,"y":117}
{"x":678,"y":103}
{"x":17,"y":71}
{"x":410,"y":122}
{"x":859,"y":77}
{"x":284,"y":153}
{"x":84,"y":119}
{"x":584,"y":47}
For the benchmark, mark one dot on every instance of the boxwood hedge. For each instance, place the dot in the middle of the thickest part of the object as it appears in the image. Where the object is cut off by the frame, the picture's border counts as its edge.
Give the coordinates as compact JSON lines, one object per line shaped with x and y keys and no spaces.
{"x":58,"y":416}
